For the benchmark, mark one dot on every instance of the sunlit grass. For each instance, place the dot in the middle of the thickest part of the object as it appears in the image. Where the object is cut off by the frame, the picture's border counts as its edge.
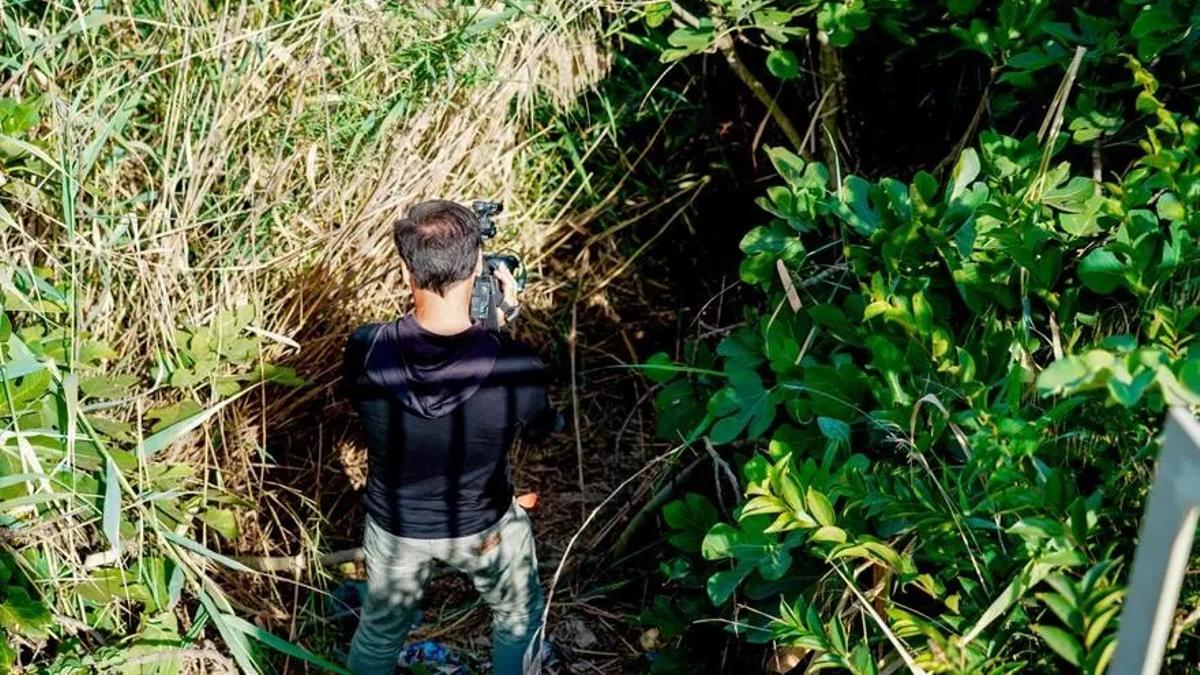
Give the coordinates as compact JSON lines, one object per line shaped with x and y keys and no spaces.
{"x":194,"y":157}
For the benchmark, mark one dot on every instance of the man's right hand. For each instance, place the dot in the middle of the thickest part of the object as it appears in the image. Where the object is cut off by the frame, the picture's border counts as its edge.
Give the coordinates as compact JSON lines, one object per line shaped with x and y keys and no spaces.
{"x":508,"y":288}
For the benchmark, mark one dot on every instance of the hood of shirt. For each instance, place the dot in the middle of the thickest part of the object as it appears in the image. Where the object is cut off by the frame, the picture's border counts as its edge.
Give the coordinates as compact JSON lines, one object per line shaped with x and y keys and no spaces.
{"x":430,"y":374}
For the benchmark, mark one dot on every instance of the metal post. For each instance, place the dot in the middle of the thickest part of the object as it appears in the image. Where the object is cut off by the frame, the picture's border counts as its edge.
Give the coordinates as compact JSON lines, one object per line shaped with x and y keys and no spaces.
{"x":1164,"y":546}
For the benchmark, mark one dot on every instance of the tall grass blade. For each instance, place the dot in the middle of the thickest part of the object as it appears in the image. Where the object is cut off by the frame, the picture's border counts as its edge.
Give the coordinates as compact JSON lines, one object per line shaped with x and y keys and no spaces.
{"x":1032,"y":575}
{"x":112,"y":505}
{"x":280,"y":645}
{"x":196,"y":547}
{"x":235,"y":640}
{"x":114,"y":127}
{"x":17,"y":503}
{"x":161,"y":439}
{"x":17,"y":479}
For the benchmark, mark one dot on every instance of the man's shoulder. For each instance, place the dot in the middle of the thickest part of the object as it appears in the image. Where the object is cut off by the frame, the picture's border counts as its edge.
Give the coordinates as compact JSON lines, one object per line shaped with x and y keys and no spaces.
{"x":517,"y":363}
{"x":364,"y":334}
{"x":360,"y":343}
{"x":514,"y":348}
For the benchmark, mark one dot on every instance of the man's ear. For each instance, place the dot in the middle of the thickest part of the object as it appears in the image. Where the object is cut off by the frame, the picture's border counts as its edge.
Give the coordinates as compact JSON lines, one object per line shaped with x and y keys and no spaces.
{"x":479,"y":264}
{"x":405,"y":274}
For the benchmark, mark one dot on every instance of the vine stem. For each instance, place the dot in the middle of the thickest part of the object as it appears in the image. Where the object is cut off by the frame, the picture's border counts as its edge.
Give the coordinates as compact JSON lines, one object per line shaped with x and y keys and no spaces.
{"x":830,"y":71}
{"x":572,"y":343}
{"x":724,"y":44}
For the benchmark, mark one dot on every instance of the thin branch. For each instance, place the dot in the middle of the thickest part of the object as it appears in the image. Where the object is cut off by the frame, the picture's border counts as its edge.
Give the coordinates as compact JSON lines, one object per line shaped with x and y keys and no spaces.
{"x":651,"y":507}
{"x":829,"y":66}
{"x":725,"y":45}
{"x":720,"y":465}
{"x":972,"y":127}
{"x":572,"y":342}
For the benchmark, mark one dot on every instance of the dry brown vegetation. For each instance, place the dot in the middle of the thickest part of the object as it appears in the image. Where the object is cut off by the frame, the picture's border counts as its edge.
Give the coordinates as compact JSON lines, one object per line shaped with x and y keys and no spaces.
{"x":206,"y":159}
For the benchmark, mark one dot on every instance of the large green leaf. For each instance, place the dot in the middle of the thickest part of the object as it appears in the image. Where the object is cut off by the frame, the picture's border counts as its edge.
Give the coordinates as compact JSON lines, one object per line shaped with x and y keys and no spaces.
{"x":1062,"y":642}
{"x":966,"y":170}
{"x":168,"y":435}
{"x":23,"y":614}
{"x":108,"y":585}
{"x":820,"y":507}
{"x":721,"y":585}
{"x":719,"y":542}
{"x":1102,"y":271}
{"x":742,"y":406}
{"x":783,"y":64}
{"x":692,"y":516}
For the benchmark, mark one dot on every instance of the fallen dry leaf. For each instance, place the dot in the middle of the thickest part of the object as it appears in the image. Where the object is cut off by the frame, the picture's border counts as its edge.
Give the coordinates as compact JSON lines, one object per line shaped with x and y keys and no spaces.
{"x":784,"y":659}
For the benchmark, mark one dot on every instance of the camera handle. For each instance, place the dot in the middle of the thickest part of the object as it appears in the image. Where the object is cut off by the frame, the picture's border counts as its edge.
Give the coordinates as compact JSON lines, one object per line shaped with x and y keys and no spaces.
{"x":485,"y":297}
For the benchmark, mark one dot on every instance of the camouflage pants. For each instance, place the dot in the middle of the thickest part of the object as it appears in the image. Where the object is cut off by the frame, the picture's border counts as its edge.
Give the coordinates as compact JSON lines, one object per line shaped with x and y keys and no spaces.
{"x":500,"y":561}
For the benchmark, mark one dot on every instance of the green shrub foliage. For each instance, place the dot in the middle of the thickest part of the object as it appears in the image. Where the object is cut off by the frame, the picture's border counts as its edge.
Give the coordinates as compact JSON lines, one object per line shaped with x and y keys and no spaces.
{"x":101,"y":537}
{"x":943,"y":414}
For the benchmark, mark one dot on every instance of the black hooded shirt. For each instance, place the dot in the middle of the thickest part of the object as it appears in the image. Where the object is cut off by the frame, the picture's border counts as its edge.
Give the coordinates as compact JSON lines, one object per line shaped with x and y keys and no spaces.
{"x":439,"y":414}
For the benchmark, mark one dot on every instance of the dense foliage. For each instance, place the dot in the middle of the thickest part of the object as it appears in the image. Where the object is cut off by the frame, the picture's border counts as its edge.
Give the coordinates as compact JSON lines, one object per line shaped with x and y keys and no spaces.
{"x":943,"y":415}
{"x":931,"y":430}
{"x":78,"y":476}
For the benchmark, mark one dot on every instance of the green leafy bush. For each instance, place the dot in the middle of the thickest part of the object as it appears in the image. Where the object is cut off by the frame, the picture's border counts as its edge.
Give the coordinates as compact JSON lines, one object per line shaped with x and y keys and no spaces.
{"x":103,"y":534}
{"x":944,"y":412}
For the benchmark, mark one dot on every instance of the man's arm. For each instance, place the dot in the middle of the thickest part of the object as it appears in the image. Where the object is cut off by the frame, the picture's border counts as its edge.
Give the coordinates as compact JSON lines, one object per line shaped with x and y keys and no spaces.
{"x":354,"y":359}
{"x":537,"y":418}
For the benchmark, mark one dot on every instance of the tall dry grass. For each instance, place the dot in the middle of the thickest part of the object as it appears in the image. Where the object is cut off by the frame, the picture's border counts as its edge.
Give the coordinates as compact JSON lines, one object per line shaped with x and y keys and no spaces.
{"x":225,"y":157}
{"x":248,"y":156}
{"x":205,"y":156}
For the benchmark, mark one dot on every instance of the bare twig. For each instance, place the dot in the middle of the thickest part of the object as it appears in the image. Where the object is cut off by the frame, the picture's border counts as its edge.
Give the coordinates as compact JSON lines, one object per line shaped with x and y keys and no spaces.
{"x":892,"y":638}
{"x":572,"y":341}
{"x":286,"y":563}
{"x":1048,"y":132}
{"x":724,"y":44}
{"x":661,"y":497}
{"x":721,"y":466}
{"x":541,"y":631}
{"x":297,"y":563}
{"x":829,"y":65}
{"x":789,"y":289}
{"x":969,"y":132}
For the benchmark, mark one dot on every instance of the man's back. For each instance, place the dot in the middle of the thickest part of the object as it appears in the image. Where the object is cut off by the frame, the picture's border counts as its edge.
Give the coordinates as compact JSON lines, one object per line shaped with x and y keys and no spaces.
{"x":439,"y":414}
{"x":441,"y":399}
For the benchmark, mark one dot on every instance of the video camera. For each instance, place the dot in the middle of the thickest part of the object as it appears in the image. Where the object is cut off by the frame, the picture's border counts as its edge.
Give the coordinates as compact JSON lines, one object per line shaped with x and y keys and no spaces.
{"x":486,"y":294}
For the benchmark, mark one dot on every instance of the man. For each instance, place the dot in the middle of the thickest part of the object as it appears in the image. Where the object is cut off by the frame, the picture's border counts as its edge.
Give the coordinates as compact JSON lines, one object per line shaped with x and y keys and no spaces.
{"x":441,"y":400}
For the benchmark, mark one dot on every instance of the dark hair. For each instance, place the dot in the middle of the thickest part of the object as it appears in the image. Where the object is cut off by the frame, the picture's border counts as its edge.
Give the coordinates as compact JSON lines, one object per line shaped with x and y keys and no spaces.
{"x":439,"y":241}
